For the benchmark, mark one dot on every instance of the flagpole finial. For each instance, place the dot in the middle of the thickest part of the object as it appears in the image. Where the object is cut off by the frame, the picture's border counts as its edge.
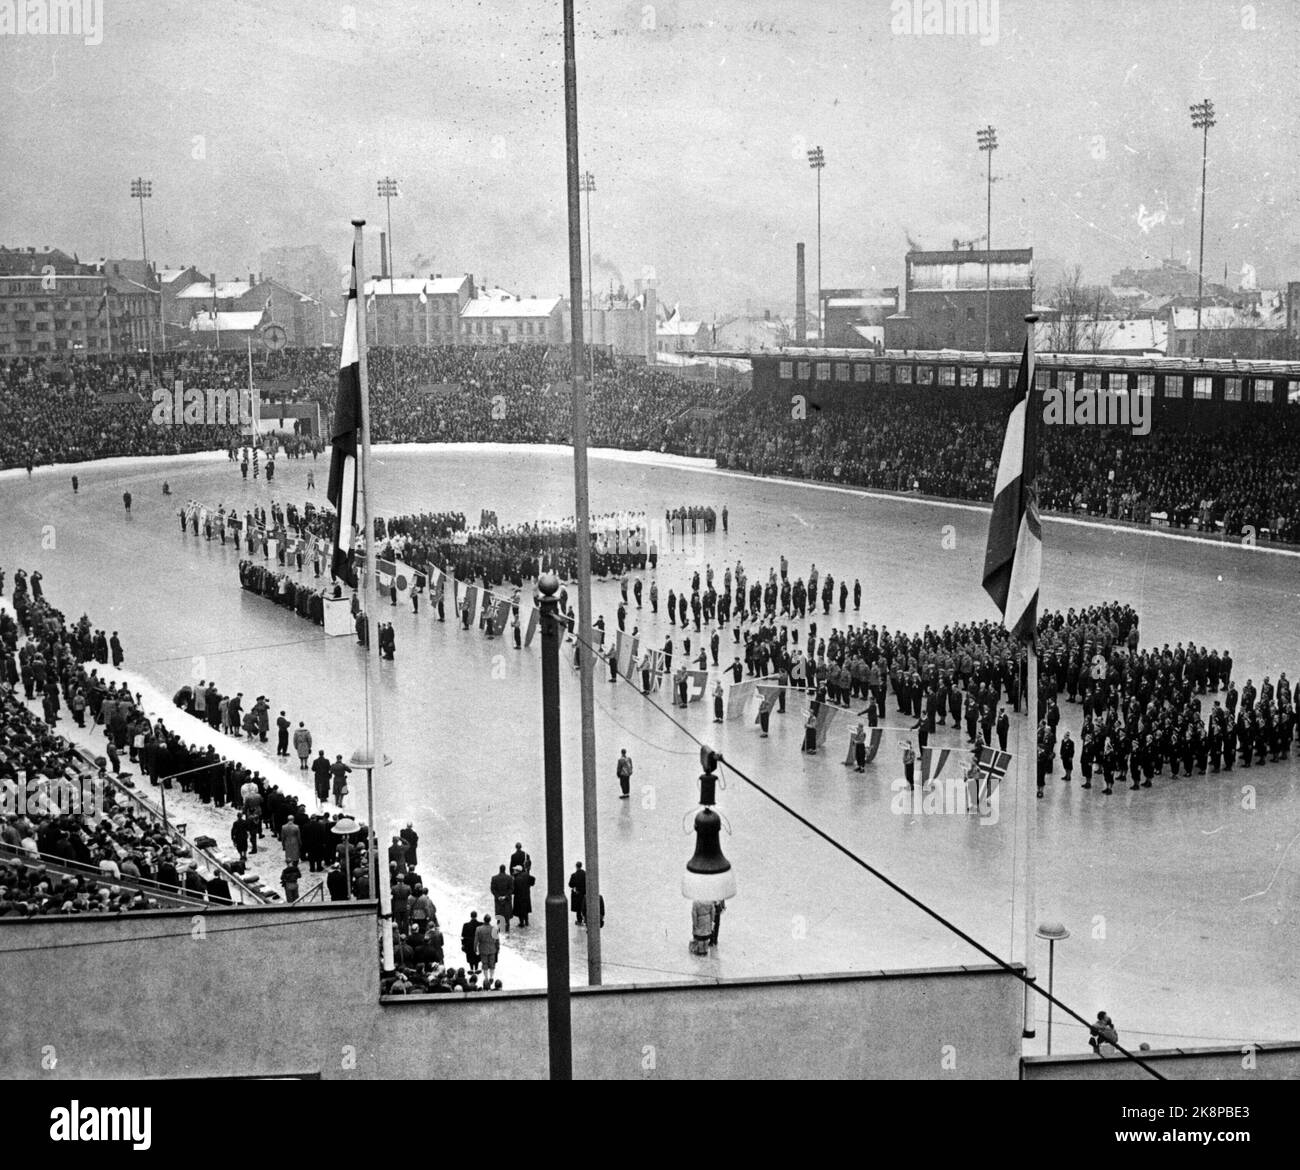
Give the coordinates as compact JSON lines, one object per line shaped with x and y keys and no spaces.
{"x":1031,"y":318}
{"x":358,"y":223}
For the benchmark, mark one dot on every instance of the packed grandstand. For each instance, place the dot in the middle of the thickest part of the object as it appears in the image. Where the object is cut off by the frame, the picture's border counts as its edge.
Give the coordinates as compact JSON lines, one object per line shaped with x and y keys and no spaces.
{"x":1240,"y":478}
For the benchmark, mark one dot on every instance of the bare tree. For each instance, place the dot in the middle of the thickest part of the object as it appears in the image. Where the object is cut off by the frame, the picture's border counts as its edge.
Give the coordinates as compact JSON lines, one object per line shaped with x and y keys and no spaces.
{"x":1083,"y":312}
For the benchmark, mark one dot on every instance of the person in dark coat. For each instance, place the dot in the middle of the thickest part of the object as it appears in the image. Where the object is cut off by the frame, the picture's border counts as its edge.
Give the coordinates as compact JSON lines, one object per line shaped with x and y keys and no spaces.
{"x":219,"y":891}
{"x":578,"y":894}
{"x":239,"y":836}
{"x":523,"y":895}
{"x":320,"y":769}
{"x":503,"y":889}
{"x":412,"y":839}
{"x":467,"y":940}
{"x":337,"y":884}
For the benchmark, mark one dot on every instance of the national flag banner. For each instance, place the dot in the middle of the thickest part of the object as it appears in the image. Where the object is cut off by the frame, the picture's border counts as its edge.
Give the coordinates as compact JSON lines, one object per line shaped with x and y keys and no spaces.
{"x":272,"y":548}
{"x":342,"y":490}
{"x":470,"y":604}
{"x":625,"y":652}
{"x":531,"y":632}
{"x":826,"y":715}
{"x":697,"y":685}
{"x":932,"y":762}
{"x":1013,"y":558}
{"x":437,"y":583}
{"x":872,"y":745}
{"x":404,"y":578}
{"x":420,"y":579}
{"x":737,"y":696}
{"x":501,"y":618}
{"x":384,"y":572}
{"x":658,"y":669}
{"x":993,"y":765}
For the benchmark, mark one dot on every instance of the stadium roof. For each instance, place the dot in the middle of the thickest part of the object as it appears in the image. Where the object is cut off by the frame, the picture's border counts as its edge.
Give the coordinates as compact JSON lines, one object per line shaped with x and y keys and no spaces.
{"x":516,"y":307}
{"x":1272,"y":367}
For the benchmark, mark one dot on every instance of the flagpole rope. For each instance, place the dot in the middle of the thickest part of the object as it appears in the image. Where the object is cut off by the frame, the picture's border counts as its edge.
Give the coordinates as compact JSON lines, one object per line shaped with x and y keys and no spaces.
{"x":863,"y":864}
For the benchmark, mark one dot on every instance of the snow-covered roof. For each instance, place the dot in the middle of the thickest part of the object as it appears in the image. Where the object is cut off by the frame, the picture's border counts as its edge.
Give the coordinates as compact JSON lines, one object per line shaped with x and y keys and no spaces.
{"x":517,"y":307}
{"x":1141,"y":334}
{"x":227,"y":290}
{"x":411,"y":286}
{"x":234,"y":322}
{"x":860,"y":302}
{"x":676,"y":327}
{"x":1222,"y":317}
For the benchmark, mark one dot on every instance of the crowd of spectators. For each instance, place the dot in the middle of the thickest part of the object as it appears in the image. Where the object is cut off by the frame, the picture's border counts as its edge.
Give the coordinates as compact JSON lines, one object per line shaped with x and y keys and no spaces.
{"x":1245,"y":478}
{"x":1242,"y":477}
{"x":58,"y":815}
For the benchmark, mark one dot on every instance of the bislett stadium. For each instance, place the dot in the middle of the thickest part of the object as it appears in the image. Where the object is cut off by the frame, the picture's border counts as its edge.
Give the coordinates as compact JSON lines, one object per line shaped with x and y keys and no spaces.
{"x":860,"y":647}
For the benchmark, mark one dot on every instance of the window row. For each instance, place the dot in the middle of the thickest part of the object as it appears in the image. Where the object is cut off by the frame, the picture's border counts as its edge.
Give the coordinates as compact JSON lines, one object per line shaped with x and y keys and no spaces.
{"x":996,"y":377}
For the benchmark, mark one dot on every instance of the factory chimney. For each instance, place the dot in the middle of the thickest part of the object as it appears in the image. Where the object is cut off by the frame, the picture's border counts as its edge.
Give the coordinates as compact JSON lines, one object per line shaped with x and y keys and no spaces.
{"x":800,"y":303}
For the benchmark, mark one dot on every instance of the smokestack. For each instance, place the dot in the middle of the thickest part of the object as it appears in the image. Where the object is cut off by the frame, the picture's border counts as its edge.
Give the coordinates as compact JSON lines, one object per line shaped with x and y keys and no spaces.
{"x":800,"y":303}
{"x":383,"y":255}
{"x":651,"y":324}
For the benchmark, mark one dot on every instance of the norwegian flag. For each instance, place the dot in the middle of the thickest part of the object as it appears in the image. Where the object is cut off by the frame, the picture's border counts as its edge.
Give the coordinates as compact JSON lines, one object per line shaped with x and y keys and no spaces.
{"x":1014,"y":556}
{"x":342,"y":490}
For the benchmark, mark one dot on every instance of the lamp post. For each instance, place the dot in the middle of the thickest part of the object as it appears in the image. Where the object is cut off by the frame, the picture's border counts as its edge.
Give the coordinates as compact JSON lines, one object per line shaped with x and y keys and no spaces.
{"x":581,"y":497}
{"x":1202,"y":120}
{"x":142,"y":189}
{"x":709,"y":877}
{"x":559,"y":1027}
{"x":817,"y":161}
{"x":988,"y":143}
{"x":1053,"y":932}
{"x":587,"y":184}
{"x":344,"y":827}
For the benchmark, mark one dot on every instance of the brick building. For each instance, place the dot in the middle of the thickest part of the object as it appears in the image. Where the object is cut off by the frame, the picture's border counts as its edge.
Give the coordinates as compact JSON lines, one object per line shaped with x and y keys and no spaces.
{"x":943,"y":304}
{"x":511,"y":320}
{"x":398,"y":315}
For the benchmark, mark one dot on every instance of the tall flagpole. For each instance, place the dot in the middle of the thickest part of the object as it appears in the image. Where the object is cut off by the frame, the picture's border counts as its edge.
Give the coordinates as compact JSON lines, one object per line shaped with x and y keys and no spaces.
{"x":369,"y":604}
{"x":1029,"y":752}
{"x":582,"y":507}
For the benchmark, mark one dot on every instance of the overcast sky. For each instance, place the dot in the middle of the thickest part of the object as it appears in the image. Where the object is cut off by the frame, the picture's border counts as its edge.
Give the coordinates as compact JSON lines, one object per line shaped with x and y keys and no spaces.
{"x":268,"y":123}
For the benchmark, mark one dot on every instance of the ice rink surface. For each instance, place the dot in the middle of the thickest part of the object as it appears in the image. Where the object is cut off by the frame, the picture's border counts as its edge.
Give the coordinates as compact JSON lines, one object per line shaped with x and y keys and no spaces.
{"x":1181,"y":899}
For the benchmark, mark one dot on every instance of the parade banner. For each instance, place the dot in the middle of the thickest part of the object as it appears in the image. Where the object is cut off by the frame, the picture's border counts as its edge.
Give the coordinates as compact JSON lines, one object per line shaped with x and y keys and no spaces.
{"x":384,"y":573}
{"x":625,"y":653}
{"x":470,"y":605}
{"x":932,"y":762}
{"x":501,"y":618}
{"x":766,"y":704}
{"x":658,"y":669}
{"x":993,"y":765}
{"x":272,"y":548}
{"x":826,"y":715}
{"x":404,"y":579}
{"x":874,"y":735}
{"x":738,"y":694}
{"x":697,"y":685}
{"x":437,"y":583}
{"x":531,"y":631}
